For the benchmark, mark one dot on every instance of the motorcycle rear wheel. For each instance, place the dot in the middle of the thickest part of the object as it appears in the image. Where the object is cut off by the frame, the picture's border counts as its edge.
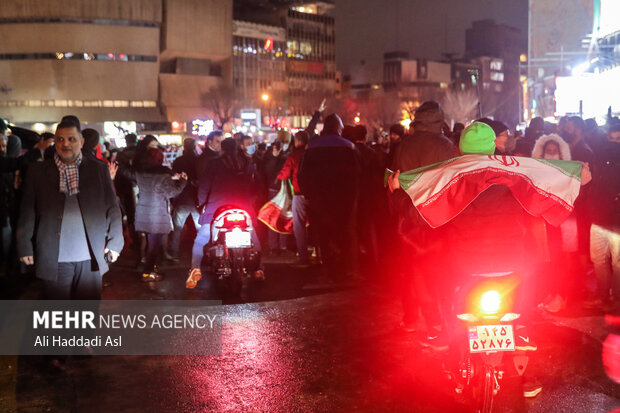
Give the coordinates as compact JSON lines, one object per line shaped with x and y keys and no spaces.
{"x":481,"y":393}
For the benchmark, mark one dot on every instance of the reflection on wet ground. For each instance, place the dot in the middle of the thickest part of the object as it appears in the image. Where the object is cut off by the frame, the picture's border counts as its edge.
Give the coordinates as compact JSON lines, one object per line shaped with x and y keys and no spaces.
{"x":333,"y":351}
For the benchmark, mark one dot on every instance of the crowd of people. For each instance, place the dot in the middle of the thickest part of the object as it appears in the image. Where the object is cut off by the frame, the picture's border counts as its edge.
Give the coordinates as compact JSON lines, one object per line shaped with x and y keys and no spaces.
{"x":357,"y":229}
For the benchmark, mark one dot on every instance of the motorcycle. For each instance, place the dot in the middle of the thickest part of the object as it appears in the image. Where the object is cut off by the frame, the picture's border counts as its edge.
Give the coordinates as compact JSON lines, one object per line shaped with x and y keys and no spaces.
{"x":231,"y":258}
{"x":486,"y":345}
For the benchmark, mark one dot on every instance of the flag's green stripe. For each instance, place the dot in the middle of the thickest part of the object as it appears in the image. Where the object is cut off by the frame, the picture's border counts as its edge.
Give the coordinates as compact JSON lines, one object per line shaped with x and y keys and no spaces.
{"x":568,"y":168}
{"x":408,"y":178}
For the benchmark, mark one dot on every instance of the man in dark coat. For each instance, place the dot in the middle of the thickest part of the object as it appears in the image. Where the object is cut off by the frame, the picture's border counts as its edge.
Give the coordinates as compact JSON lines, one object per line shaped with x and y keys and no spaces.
{"x":70,"y":221}
{"x":329,"y":176}
{"x":427,"y":145}
{"x":210,"y":151}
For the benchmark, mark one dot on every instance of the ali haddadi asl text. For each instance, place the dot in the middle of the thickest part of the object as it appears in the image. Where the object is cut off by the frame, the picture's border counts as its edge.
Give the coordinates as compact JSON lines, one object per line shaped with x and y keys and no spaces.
{"x":77,"y":341}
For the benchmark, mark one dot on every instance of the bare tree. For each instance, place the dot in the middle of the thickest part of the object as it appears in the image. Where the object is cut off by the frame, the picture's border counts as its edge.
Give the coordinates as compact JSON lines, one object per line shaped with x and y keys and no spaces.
{"x":381,"y":111}
{"x":223,"y":103}
{"x":460,"y":105}
{"x":274,"y":109}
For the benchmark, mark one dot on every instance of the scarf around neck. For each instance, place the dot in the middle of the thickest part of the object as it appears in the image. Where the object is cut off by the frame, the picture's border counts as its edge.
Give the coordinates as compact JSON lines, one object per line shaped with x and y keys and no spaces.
{"x":69,"y":175}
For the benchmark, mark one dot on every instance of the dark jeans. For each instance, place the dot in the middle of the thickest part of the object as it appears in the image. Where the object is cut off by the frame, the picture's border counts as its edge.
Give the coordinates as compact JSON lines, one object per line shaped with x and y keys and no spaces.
{"x":153,"y":251}
{"x":179,"y":216}
{"x":300,"y":217}
{"x":76,"y":281}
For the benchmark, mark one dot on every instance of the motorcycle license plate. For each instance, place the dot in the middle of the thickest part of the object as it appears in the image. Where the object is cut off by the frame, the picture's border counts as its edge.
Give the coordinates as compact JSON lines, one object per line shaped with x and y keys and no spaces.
{"x":238,"y":239}
{"x":491,"y":338}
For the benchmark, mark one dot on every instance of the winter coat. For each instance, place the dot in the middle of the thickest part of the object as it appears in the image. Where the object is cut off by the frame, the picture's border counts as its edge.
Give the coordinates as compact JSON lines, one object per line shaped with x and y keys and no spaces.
{"x":223,"y":184}
{"x":539,"y":146}
{"x":187,"y":163}
{"x":41,"y":214}
{"x":329,"y":173}
{"x":420,"y":149}
{"x":271,"y":167}
{"x":417,"y":150}
{"x":204,"y":158}
{"x":156,"y":187}
{"x":561,"y":238}
{"x":291,"y":168}
{"x":605,"y":193}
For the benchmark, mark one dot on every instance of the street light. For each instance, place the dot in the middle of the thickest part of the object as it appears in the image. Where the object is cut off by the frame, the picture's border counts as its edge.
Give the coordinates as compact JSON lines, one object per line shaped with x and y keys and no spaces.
{"x":265,"y":97}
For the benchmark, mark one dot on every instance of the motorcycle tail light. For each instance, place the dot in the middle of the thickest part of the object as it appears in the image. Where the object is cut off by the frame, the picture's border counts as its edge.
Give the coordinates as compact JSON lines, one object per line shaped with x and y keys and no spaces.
{"x":490,"y":302}
{"x":510,"y":317}
{"x":236,"y":217}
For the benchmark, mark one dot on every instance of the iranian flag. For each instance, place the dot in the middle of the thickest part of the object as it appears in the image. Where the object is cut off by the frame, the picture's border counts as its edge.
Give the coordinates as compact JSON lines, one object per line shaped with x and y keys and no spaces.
{"x":277,"y":214}
{"x":545,"y":188}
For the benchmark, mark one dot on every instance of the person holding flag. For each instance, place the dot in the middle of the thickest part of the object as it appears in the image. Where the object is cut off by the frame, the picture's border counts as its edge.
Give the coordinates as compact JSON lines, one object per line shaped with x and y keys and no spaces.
{"x":485,"y":211}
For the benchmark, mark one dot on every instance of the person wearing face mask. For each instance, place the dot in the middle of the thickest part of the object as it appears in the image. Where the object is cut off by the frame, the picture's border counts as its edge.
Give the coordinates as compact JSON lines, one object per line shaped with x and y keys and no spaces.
{"x":272,"y":165}
{"x":247,"y":147}
{"x":562,"y":241}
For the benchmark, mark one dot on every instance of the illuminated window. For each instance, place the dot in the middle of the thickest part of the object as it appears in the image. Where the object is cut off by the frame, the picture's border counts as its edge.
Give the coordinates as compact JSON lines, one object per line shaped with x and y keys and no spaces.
{"x":305,"y":48}
{"x":108,"y":103}
{"x":497,"y":76}
{"x":292,"y":46}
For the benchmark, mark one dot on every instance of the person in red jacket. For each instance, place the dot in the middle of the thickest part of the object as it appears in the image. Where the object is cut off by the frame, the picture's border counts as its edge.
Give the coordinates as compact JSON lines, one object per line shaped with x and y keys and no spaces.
{"x":300,"y":203}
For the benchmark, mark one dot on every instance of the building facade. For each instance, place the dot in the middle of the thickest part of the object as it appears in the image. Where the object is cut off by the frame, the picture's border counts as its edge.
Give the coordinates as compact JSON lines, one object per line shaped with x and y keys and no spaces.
{"x":148,"y":61}
{"x":310,"y":54}
{"x":557,"y":31}
{"x":498,"y":49}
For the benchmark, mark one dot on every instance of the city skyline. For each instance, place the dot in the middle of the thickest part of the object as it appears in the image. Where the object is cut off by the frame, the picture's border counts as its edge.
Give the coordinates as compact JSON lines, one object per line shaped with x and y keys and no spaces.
{"x":365,"y":29}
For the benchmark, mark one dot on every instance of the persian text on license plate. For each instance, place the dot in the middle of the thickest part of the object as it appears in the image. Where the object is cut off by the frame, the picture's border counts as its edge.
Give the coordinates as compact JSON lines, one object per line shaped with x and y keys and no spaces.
{"x":491,"y":338}
{"x":238,"y":239}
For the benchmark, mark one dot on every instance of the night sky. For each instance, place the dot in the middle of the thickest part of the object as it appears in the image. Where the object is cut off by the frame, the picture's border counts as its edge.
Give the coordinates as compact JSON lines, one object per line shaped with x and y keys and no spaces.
{"x":365,"y":29}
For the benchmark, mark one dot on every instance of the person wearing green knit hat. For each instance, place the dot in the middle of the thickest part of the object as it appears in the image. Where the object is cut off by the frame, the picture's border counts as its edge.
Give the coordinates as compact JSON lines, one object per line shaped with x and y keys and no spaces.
{"x":477,"y":138}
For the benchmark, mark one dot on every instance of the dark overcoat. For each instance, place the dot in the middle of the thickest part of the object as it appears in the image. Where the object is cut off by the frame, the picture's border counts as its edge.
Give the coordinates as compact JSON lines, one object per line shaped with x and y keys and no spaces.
{"x":42,"y":208}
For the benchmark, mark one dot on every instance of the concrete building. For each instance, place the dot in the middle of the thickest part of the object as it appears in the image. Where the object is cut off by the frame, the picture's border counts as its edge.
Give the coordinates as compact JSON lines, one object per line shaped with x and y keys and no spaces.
{"x":259,"y":71}
{"x":196,"y":55}
{"x":592,"y":87}
{"x":415,"y":80}
{"x":310,"y":53}
{"x":498,"y":48}
{"x":557,"y":41}
{"x":148,"y":61}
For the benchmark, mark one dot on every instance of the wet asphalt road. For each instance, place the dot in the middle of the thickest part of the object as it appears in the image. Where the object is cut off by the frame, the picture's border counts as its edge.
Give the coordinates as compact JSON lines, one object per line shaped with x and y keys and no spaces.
{"x":293,"y":352}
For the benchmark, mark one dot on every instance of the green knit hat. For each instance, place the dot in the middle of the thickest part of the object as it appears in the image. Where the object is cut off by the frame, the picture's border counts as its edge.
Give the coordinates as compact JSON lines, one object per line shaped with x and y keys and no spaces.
{"x":478,"y":138}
